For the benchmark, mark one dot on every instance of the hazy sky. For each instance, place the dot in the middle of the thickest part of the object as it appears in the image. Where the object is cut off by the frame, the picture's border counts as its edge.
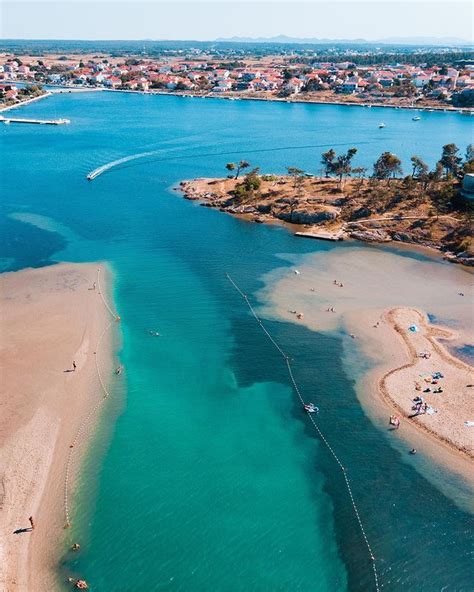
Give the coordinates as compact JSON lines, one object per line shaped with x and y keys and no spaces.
{"x":195,"y":19}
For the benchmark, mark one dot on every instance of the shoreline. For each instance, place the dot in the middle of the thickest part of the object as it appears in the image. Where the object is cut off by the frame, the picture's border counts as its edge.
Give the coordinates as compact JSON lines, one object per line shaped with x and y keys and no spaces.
{"x":236,"y":96}
{"x":324,"y":217}
{"x":366,"y":322}
{"x":389,"y":387}
{"x":311,"y":101}
{"x":51,"y":317}
{"x":26,"y":101}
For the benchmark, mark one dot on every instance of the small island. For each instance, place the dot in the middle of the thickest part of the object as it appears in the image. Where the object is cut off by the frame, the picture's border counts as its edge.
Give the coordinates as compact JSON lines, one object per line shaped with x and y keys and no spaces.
{"x":427,"y":208}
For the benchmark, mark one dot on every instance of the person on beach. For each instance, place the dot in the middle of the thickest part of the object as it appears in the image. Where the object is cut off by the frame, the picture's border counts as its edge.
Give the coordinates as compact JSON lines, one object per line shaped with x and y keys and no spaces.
{"x":32,"y":522}
{"x":74,"y":366}
{"x":394,"y":421}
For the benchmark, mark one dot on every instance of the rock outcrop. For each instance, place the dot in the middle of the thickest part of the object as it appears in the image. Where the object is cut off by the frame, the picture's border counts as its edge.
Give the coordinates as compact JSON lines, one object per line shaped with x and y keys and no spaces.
{"x":371,"y":236}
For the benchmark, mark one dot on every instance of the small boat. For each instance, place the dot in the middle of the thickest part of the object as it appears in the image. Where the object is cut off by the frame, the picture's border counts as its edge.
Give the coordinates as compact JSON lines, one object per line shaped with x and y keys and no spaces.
{"x":310,"y":408}
{"x":416,"y":118}
{"x":381,"y":125}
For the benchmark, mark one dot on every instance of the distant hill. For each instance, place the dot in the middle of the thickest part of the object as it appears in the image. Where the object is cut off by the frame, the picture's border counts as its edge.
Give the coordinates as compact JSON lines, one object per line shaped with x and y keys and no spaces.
{"x":316,"y":40}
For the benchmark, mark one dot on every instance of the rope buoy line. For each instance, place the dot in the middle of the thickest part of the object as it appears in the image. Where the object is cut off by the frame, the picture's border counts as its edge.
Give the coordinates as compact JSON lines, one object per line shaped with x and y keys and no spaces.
{"x":94,"y":409}
{"x":317,"y":428}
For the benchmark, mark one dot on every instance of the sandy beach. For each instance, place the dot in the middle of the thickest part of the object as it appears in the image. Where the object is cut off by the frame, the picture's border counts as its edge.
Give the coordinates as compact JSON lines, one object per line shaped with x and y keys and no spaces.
{"x":373,"y":315}
{"x":434,"y":376}
{"x":50,"y":318}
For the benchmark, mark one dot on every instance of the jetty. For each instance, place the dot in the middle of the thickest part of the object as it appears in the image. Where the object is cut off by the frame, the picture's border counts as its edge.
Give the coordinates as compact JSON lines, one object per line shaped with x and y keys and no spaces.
{"x":323,"y":235}
{"x":8,"y":120}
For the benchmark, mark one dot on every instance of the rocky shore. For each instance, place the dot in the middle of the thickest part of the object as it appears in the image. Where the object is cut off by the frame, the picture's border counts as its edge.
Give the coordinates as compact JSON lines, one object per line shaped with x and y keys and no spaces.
{"x":361,"y":209}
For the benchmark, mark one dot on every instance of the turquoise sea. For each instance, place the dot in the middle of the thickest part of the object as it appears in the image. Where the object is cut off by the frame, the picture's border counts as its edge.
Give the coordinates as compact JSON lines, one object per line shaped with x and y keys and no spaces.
{"x":205,"y":474}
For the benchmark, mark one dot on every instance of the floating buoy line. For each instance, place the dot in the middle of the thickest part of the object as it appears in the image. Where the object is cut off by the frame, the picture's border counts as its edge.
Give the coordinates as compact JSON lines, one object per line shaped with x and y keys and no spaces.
{"x":287,"y":361}
{"x":311,"y":418}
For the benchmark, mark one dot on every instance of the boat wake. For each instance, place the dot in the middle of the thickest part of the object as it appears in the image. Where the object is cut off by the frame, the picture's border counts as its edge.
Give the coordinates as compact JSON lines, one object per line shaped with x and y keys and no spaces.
{"x":110,"y":165}
{"x":106,"y":167}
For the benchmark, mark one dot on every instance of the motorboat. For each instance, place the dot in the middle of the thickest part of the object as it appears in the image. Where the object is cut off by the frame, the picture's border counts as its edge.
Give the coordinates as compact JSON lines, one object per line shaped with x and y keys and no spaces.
{"x":310,"y":408}
{"x":381,"y":125}
{"x":416,"y":118}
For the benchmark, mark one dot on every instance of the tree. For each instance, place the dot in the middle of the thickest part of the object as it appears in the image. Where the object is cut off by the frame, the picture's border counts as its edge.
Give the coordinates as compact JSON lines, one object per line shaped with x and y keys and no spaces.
{"x":469,"y":152}
{"x":387,"y":166}
{"x":419,"y":167}
{"x":450,"y":160}
{"x":243,"y":164}
{"x":404,"y":87}
{"x":231,"y":166}
{"x":468,"y":166}
{"x":360,"y":172}
{"x":252,"y":181}
{"x":438,"y":172}
{"x":247,"y":188}
{"x":312,"y":85}
{"x":342,"y":166}
{"x":327,"y":159}
{"x":297,"y":176}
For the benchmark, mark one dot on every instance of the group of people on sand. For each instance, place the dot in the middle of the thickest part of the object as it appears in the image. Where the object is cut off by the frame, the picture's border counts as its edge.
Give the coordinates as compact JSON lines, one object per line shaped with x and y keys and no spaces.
{"x":299,"y":315}
{"x":420,"y":405}
{"x":340,"y":284}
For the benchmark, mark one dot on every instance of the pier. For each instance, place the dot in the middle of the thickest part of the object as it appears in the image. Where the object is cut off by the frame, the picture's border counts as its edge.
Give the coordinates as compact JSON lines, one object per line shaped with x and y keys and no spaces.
{"x":323,"y":235}
{"x":34,"y":121}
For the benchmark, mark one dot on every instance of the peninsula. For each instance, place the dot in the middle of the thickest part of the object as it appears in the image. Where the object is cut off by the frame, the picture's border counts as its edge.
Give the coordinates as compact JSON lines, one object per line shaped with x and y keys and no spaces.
{"x":52,"y":321}
{"x":431,"y":209}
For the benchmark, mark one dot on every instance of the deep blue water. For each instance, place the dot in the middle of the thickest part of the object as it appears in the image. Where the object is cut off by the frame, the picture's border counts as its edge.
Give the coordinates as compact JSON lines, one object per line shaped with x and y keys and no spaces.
{"x":205,"y":474}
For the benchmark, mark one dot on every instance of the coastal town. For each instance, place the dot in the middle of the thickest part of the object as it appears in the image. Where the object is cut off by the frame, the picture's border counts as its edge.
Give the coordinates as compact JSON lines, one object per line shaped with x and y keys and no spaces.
{"x":272,"y":77}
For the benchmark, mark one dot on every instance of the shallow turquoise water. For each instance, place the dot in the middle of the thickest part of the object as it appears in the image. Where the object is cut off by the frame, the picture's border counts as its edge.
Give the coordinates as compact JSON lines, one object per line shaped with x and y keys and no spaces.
{"x":205,"y":474}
